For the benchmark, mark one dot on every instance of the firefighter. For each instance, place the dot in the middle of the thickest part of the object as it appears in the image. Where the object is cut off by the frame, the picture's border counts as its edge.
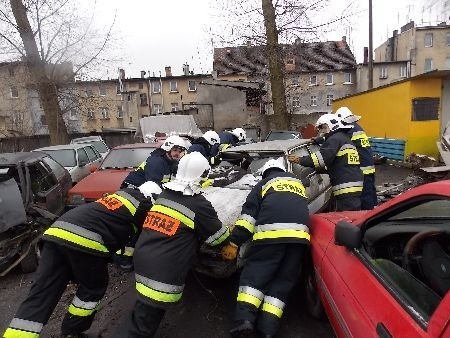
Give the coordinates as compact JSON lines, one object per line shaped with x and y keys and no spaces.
{"x":275,"y":215}
{"x":361,"y":141}
{"x":179,"y":220}
{"x":231,"y":138}
{"x":160,"y":166}
{"x":340,"y":158}
{"x":77,"y":247}
{"x":205,"y":145}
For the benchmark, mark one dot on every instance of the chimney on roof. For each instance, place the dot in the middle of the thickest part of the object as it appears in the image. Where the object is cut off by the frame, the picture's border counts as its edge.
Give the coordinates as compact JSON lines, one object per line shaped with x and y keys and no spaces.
{"x":366,"y":55}
{"x":168,"y":70}
{"x":248,"y":43}
{"x":122,"y":73}
{"x":344,"y":39}
{"x":185,"y":69}
{"x":143,"y":72}
{"x":395,"y":33}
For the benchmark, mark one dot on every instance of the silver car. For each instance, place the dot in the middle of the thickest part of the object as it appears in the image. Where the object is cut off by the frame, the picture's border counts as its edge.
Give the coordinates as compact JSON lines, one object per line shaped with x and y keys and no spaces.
{"x":79,"y":159}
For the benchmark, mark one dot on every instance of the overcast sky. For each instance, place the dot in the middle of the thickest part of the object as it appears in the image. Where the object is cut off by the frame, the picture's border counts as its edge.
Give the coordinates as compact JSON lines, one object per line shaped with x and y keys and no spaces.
{"x":159,"y":33}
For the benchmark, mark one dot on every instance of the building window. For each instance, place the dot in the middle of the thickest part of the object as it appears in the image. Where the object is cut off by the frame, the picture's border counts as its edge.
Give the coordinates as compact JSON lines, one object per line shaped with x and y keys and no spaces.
{"x":174,"y":106}
{"x":119,"y":112}
{"x":16,"y":121}
{"x":173,"y":86}
{"x":329,"y":99}
{"x":157,"y":108}
{"x":448,"y":39}
{"x":329,"y":79}
{"x":295,"y":81}
{"x":403,"y":71}
{"x":313,"y":100}
{"x":73,"y":116}
{"x":156,"y":87}
{"x":11,"y":71}
{"x":193,"y":105}
{"x":295,"y":102}
{"x":89,"y":92}
{"x":101,"y":89}
{"x":192,"y":86}
{"x":90,"y":114}
{"x":141,"y":85}
{"x":428,"y":65}
{"x":428,"y":40}
{"x":425,"y":108}
{"x":129,"y":97}
{"x":104,"y":113}
{"x":143,"y":99}
{"x":43,"y":120}
{"x":313,"y":80}
{"x":290,"y":61}
{"x":14,"y":92}
{"x":348,"y":78}
{"x":383,"y":73}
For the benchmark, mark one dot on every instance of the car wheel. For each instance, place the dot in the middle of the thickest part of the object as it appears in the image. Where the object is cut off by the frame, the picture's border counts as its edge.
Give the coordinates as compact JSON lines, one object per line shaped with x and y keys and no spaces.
{"x":31,"y":260}
{"x":313,"y":303}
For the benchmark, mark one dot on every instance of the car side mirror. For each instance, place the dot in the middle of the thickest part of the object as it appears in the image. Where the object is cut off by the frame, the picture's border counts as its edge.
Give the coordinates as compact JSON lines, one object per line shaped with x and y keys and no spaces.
{"x":348,"y":235}
{"x":92,"y":168}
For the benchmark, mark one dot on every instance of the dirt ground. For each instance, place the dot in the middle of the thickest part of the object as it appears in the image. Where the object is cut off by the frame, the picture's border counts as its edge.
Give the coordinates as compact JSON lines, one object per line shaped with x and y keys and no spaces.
{"x":206,"y":309}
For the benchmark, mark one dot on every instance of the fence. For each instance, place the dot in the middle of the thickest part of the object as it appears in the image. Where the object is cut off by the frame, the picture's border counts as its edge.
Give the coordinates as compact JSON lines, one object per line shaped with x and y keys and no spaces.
{"x":388,"y":147}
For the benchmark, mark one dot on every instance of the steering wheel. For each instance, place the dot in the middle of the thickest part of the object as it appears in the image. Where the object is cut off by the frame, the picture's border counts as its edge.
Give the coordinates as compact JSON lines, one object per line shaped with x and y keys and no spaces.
{"x":435,"y":261}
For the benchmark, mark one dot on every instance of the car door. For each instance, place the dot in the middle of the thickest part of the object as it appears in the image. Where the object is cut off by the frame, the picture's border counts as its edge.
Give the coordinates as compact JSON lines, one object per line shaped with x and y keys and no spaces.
{"x":62,"y":175}
{"x":94,"y":156}
{"x":82,"y":169}
{"x":45,"y":188}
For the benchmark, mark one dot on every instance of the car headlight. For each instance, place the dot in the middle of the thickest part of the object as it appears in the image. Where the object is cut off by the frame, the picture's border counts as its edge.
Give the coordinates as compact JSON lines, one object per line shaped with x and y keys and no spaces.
{"x":76,"y":199}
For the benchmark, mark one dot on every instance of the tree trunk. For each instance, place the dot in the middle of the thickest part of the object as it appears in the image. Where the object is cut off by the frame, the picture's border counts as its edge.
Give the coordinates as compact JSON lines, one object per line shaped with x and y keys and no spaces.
{"x":275,"y":67}
{"x":48,"y":94}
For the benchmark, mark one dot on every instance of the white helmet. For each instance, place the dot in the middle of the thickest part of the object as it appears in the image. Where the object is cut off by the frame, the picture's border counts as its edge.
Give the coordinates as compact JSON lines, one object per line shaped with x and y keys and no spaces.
{"x":172,"y":141}
{"x":149,"y":189}
{"x":211,"y":137}
{"x":191,"y":169}
{"x":346,"y":115}
{"x":239,"y":133}
{"x":331,"y":120}
{"x":272,"y":163}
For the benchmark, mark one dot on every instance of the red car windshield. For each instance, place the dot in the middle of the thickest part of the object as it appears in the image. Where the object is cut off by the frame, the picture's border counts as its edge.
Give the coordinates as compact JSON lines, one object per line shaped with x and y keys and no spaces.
{"x":126,"y":158}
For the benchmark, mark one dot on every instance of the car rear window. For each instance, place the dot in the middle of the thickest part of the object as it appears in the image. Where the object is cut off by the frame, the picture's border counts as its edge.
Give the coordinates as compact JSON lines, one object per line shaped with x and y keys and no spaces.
{"x":126,"y":158}
{"x":65,"y":157}
{"x":100,"y":146}
{"x":282,"y":136}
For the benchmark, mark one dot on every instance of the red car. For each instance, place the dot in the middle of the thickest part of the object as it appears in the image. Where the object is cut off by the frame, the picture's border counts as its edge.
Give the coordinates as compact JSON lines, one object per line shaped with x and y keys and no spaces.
{"x":110,"y":174}
{"x":385,"y":272}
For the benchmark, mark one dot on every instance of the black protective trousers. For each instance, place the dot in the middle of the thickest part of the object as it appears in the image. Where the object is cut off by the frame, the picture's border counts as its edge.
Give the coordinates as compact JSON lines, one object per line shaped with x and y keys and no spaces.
{"x":144,"y":320}
{"x":369,"y":199}
{"x":272,"y":269}
{"x":58,"y":266}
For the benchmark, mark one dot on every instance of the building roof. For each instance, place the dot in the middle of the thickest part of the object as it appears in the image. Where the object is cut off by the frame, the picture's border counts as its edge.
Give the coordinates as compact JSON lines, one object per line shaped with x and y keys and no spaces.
{"x":303,"y":58}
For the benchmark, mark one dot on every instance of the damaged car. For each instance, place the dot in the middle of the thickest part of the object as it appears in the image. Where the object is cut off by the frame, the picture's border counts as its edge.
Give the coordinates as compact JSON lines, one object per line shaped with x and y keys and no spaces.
{"x":33,"y":189}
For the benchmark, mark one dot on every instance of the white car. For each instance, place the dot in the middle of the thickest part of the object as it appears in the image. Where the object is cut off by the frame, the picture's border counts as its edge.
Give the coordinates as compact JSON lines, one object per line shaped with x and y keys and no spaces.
{"x":79,"y":159}
{"x":96,"y":141}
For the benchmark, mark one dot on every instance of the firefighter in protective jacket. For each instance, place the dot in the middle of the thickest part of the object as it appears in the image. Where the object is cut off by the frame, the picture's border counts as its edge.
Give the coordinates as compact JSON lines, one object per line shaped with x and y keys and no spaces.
{"x":179,"y":220}
{"x":275,"y":216}
{"x":340,"y":158}
{"x":77,"y":247}
{"x":361,"y":141}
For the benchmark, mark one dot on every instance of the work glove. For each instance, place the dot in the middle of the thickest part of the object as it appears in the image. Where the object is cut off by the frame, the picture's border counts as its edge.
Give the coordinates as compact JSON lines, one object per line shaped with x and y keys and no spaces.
{"x":318,"y":140}
{"x":229,"y":251}
{"x":293,"y":159}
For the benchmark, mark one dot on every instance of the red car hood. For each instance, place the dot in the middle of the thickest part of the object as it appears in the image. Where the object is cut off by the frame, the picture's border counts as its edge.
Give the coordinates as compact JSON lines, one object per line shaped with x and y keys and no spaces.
{"x":348,"y":216}
{"x":99,"y":182}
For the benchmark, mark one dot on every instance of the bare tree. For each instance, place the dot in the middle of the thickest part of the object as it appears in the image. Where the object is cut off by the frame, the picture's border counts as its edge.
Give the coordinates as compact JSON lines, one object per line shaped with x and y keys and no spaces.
{"x":47,"y":34}
{"x":271,"y":23}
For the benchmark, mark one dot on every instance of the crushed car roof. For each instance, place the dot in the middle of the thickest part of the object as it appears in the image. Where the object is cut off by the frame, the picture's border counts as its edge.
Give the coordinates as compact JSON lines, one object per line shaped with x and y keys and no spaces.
{"x":15,"y":158}
{"x":277,"y":145}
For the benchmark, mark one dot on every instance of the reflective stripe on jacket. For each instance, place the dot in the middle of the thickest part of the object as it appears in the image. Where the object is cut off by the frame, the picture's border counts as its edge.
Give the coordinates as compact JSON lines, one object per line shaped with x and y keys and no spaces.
{"x":361,"y":141}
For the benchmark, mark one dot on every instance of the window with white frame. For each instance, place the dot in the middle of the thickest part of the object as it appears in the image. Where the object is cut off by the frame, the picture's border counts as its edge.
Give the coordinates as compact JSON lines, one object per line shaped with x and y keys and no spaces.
{"x":156,"y":87}
{"x":101,"y":89}
{"x":313,"y":100}
{"x":348,"y":78}
{"x":73,"y":116}
{"x":447,"y":62}
{"x":119,"y":112}
{"x":403,"y":72}
{"x":295,"y":81}
{"x":143,"y":99}
{"x":43,"y":120}
{"x":428,"y":65}
{"x":428,"y":40}
{"x":157,"y":108}
{"x":104,"y":113}
{"x":89,"y":92}
{"x":313,"y":80}
{"x":329,"y":79}
{"x":14,"y":92}
{"x":174,"y":106}
{"x":90,"y":114}
{"x":295,"y":101}
{"x":173,"y":86}
{"x":329,"y":99}
{"x":383,"y":73}
{"x":192,"y":86}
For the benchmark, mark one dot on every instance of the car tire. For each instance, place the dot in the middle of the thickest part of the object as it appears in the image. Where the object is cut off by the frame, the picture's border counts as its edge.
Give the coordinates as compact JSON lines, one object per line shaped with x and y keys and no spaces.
{"x":30,"y":262}
{"x":313,"y":303}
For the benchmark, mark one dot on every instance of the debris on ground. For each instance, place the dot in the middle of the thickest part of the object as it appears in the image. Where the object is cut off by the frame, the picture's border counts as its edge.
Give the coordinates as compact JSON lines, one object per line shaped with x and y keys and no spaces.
{"x":419,"y":160}
{"x":388,"y":190}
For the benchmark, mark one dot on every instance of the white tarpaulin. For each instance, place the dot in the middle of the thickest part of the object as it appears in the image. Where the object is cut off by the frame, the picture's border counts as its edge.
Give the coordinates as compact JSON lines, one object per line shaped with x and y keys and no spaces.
{"x":167,"y":124}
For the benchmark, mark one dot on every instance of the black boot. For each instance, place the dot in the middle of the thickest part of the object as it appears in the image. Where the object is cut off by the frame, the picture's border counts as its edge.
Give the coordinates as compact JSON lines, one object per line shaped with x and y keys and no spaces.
{"x":243,"y":330}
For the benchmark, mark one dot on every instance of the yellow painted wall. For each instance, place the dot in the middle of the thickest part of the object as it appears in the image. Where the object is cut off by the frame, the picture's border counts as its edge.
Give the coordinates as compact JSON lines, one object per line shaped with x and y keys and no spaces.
{"x":386,"y":112}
